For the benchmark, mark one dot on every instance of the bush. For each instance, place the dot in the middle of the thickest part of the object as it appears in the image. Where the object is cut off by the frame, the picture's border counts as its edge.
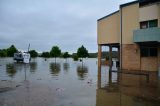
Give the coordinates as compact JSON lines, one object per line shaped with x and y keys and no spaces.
{"x":45,"y":54}
{"x":3,"y":53}
{"x":33,"y":53}
{"x":75,"y":58}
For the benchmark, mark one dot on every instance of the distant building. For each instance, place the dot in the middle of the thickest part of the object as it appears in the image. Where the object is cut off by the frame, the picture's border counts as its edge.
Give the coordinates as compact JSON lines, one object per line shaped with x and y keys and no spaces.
{"x":135,"y":31}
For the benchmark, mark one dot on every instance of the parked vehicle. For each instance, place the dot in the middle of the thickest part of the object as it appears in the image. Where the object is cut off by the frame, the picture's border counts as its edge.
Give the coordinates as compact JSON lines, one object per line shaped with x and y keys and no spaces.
{"x":22,"y":57}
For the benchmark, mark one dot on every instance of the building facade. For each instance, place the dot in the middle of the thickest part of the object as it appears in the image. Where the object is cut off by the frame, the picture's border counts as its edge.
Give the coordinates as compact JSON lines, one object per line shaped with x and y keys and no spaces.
{"x":135,"y":31}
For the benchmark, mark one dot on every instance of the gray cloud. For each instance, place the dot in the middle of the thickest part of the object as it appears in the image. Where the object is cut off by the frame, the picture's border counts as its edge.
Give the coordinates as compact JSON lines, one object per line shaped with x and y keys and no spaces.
{"x":44,"y":23}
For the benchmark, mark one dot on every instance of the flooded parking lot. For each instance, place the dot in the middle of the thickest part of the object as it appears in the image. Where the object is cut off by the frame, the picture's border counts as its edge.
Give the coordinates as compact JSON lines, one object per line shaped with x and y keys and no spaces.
{"x":68,"y":83}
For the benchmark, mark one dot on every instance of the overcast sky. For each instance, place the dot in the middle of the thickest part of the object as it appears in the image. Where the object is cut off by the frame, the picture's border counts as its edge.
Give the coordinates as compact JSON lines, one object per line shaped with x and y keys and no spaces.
{"x":45,"y":23}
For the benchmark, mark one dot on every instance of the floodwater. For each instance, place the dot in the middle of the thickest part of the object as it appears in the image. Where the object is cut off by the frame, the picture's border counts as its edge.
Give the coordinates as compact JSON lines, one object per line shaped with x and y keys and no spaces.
{"x":68,"y":83}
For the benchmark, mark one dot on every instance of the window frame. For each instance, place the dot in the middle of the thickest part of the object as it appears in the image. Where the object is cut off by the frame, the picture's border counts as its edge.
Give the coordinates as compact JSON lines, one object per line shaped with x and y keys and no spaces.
{"x":148,"y":24}
{"x":156,"y":23}
{"x":149,"y":52}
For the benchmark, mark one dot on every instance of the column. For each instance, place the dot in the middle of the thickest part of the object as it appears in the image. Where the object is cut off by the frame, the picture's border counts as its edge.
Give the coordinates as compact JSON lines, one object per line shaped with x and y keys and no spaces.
{"x":118,"y":57}
{"x":110,"y":56}
{"x":99,"y":55}
{"x":99,"y":78}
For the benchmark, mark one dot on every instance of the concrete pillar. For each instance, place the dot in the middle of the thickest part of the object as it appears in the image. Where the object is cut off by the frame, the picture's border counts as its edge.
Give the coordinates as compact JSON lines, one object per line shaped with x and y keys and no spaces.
{"x":99,"y":78}
{"x":118,"y":53}
{"x":118,"y":56}
{"x":118,"y":65}
{"x":110,"y":56}
{"x":121,"y":57}
{"x":99,"y":55}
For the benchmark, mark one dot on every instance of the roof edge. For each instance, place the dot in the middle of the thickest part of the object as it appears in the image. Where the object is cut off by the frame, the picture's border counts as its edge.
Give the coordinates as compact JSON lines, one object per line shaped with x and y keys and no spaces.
{"x":129,"y":3}
{"x":108,"y":15}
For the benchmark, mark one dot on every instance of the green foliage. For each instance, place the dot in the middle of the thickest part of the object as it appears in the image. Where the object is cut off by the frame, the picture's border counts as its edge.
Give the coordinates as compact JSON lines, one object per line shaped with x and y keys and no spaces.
{"x":92,"y":55}
{"x":82,"y":52}
{"x":75,"y":57}
{"x":55,"y":51}
{"x":11,"y":50}
{"x":3,"y":53}
{"x":33,"y":53}
{"x":45,"y":54}
{"x":66,"y":55}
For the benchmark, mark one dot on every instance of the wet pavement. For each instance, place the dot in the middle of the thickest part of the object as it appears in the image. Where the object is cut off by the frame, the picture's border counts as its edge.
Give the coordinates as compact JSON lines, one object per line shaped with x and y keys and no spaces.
{"x":67,"y":83}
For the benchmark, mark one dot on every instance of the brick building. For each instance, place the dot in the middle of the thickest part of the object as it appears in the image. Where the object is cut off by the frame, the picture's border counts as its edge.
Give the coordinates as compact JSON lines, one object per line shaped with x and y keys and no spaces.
{"x":135,"y":30}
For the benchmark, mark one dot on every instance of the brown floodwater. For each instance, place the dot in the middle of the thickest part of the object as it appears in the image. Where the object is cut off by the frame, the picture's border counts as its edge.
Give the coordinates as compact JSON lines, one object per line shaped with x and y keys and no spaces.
{"x":68,"y":83}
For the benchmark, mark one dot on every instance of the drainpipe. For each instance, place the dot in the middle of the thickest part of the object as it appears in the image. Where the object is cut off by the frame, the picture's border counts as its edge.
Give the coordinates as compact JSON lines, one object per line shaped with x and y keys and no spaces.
{"x":121,"y":38}
{"x":120,"y":54}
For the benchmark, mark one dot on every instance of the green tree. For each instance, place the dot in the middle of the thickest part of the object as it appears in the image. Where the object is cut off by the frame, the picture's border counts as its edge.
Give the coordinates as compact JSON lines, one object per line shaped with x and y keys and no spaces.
{"x":33,"y":53}
{"x":11,"y":50}
{"x":45,"y":54}
{"x":75,"y":57}
{"x":82,"y":52}
{"x":55,"y":52}
{"x":66,"y":55}
{"x":3,"y":53}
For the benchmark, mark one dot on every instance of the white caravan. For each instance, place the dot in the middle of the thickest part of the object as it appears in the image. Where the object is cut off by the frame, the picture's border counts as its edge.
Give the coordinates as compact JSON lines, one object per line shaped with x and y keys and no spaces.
{"x":22,"y":57}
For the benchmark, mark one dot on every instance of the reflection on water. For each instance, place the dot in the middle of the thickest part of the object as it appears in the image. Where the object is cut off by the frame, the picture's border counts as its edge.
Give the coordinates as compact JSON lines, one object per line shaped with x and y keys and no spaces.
{"x":66,"y":67}
{"x":82,"y":72}
{"x":128,"y":90}
{"x":98,"y":88}
{"x":11,"y":70}
{"x":33,"y":67}
{"x":36,"y":84}
{"x":55,"y":68}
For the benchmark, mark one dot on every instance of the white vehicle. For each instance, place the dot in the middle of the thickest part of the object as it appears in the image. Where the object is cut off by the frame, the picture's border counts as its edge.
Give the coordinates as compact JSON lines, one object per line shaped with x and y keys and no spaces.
{"x":22,"y":56}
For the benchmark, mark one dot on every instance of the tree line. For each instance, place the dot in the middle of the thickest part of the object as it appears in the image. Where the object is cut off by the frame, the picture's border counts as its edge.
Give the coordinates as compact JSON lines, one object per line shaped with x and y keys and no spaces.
{"x":55,"y":52}
{"x":9,"y":52}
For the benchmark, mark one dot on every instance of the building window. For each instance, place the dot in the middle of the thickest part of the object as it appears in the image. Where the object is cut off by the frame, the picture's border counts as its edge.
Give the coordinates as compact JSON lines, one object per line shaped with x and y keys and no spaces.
{"x":149,"y":52}
{"x":144,"y":24}
{"x":146,"y":2}
{"x":144,"y":52}
{"x":153,"y":23}
{"x":149,"y":24}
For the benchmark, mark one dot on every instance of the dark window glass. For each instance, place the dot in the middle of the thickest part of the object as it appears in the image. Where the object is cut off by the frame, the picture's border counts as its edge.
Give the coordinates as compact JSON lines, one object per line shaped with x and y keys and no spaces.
{"x":153,"y":52}
{"x":149,"y":52}
{"x":153,"y":23}
{"x":149,"y":24}
{"x":144,"y":24}
{"x":144,"y":52}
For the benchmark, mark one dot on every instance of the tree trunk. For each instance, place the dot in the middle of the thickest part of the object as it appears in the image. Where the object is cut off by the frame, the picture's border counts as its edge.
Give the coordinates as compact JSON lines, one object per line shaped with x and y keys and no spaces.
{"x":55,"y":59}
{"x":82,"y":63}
